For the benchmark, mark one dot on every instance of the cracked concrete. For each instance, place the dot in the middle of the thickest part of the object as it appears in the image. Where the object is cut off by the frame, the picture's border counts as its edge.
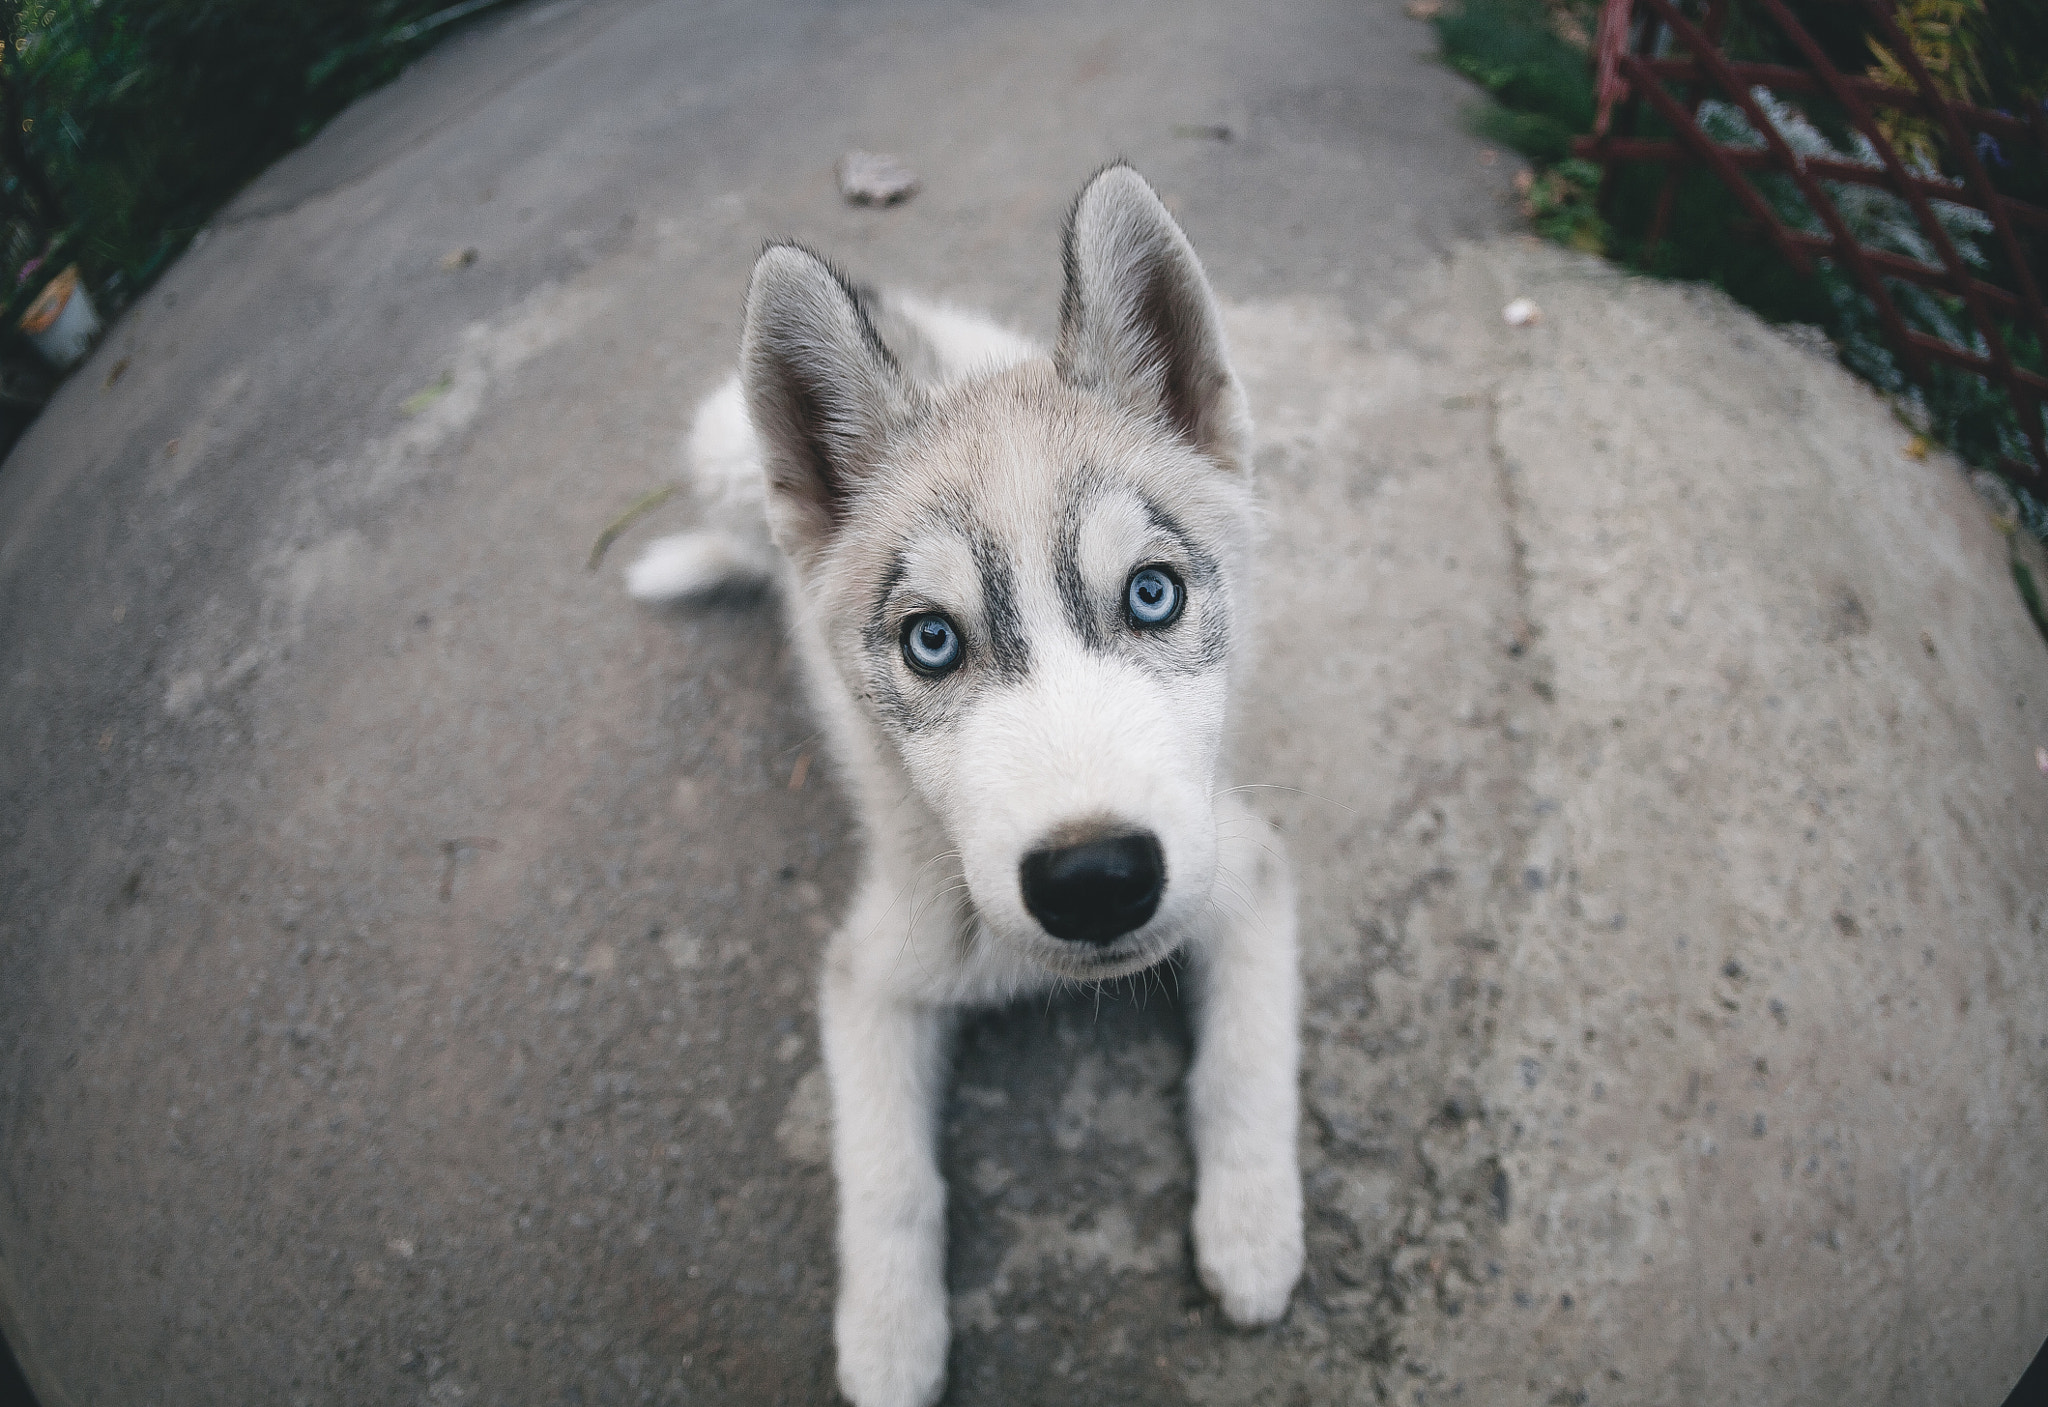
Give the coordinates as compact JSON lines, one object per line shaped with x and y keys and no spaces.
{"x":408,"y":944}
{"x":1675,"y":1133}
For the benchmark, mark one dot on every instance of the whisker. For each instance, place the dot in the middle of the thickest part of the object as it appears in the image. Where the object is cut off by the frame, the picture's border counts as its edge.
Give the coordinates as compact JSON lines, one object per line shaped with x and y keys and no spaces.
{"x":1223,"y":834}
{"x":1237,"y":882}
{"x":1254,"y":913}
{"x":917,"y":909}
{"x":1246,"y":906}
{"x":1276,"y":786}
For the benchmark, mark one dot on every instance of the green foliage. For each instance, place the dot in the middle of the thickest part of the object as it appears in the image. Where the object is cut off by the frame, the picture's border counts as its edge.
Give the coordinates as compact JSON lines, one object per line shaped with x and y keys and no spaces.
{"x":1512,"y":49}
{"x":1538,"y":136}
{"x":1537,"y":79}
{"x":1540,"y":85}
{"x":148,"y":114}
{"x":1708,"y":239}
{"x":1562,"y":203}
{"x":2011,"y":52}
{"x":2030,"y":592}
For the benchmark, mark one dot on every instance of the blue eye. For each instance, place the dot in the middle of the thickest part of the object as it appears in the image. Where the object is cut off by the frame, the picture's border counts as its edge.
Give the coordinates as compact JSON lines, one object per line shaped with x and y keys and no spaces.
{"x":931,"y":644}
{"x":1153,"y":598}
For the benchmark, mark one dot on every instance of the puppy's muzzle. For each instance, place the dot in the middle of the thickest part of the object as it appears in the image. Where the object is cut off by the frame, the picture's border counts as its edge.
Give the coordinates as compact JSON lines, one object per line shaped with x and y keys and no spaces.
{"x":1095,"y":891}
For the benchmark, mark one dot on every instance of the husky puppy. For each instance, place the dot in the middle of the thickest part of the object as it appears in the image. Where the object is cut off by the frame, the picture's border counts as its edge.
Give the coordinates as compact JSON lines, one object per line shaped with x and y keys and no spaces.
{"x":1017,"y":586}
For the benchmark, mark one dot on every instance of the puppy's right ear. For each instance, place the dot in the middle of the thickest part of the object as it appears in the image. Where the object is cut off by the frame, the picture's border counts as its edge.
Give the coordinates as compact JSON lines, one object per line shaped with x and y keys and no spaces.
{"x":822,"y":390}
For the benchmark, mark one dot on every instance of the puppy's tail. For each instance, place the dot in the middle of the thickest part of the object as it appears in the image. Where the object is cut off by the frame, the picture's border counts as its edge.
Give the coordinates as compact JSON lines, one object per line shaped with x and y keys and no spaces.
{"x":731,"y":552}
{"x":698,"y":564}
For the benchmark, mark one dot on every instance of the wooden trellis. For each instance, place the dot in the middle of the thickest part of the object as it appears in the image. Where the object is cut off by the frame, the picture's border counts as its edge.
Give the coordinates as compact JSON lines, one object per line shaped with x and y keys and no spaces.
{"x":1650,"y":52}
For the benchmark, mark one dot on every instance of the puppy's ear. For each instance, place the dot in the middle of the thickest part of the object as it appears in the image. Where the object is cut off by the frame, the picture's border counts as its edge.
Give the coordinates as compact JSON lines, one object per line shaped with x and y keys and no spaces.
{"x":822,"y":390}
{"x":1139,"y":324}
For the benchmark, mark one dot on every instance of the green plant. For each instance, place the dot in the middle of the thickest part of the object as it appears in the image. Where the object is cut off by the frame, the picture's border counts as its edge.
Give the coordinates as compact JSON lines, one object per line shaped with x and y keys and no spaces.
{"x":1531,"y":59}
{"x":1562,"y":203}
{"x":29,"y":197}
{"x":1959,"y":408}
{"x":2023,"y":578}
{"x":1942,"y":35}
{"x":147,"y":114}
{"x":1542,"y":94}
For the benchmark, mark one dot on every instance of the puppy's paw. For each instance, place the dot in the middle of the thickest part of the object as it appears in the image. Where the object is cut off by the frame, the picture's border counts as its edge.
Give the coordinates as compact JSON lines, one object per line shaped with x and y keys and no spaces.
{"x":1248,"y":1240}
{"x":892,"y":1345}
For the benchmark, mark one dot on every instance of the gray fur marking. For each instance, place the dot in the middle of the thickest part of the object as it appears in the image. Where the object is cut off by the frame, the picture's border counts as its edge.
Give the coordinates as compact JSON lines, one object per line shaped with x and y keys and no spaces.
{"x":1161,"y":651}
{"x":1084,"y":489}
{"x":1010,"y":651}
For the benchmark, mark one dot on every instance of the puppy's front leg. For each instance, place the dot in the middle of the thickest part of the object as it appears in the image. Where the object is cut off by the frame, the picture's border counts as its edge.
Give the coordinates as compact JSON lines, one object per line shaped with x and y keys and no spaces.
{"x":1242,"y":1100}
{"x":886,"y":1057}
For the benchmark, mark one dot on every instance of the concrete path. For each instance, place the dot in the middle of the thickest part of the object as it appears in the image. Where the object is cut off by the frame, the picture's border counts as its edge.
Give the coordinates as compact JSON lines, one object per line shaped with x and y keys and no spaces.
{"x":406,"y":959}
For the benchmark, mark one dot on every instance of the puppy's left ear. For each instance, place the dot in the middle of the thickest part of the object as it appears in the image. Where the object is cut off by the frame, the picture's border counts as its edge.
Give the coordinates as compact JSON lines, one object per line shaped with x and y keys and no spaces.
{"x":1139,"y":324}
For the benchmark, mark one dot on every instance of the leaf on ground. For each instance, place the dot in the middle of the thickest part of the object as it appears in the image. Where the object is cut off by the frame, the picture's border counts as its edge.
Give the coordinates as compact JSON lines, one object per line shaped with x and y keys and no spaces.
{"x":646,"y":503}
{"x":421,"y":399}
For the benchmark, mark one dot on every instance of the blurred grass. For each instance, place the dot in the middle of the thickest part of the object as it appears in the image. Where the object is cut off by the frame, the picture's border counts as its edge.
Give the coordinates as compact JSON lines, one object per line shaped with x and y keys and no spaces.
{"x":1542,"y":92}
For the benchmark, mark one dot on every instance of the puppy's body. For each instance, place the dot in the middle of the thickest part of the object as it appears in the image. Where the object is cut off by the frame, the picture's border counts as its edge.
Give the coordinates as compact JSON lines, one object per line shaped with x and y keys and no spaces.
{"x":1015,"y":582}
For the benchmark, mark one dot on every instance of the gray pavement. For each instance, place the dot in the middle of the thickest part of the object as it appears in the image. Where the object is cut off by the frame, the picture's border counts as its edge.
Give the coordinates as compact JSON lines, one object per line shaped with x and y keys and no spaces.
{"x":405,"y":969}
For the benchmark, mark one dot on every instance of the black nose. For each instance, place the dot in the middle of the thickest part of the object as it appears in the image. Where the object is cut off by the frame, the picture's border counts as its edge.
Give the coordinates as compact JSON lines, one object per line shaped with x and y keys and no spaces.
{"x":1095,"y":891}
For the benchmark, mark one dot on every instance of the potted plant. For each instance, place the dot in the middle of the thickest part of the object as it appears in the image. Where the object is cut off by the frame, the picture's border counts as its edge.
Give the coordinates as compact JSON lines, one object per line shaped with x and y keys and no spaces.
{"x":62,"y":320}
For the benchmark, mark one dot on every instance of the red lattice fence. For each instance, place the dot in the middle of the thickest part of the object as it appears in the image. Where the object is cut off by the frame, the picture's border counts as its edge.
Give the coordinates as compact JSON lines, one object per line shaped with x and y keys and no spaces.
{"x":1651,"y":53}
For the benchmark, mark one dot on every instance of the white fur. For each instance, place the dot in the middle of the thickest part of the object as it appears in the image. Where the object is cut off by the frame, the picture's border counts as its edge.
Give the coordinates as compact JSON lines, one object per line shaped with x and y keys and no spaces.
{"x":937,"y":922}
{"x":696,"y":564}
{"x":968,"y":344}
{"x":723,"y":459}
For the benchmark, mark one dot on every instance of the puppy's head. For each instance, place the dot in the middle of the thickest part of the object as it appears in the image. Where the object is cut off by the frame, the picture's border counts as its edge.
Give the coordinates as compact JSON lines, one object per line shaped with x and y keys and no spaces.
{"x":1031,"y":580}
